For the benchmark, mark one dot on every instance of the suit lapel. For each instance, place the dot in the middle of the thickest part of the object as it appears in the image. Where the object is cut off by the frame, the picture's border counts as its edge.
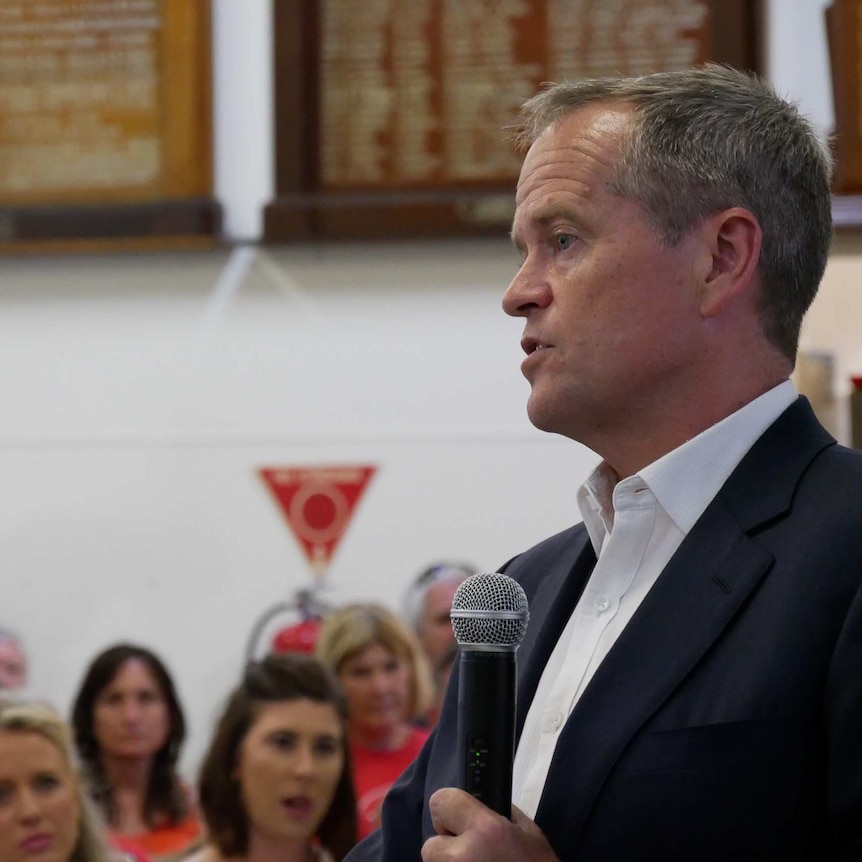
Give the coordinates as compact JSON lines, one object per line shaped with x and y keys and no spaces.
{"x":695,"y":598}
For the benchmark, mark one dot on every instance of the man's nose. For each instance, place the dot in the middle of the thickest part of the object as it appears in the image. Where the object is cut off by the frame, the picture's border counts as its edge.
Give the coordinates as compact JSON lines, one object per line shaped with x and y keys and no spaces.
{"x":529,"y":289}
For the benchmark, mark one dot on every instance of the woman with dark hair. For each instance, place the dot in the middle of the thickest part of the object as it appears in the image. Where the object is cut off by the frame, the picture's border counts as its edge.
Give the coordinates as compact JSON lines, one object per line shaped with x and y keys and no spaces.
{"x":129,"y":727}
{"x":276,"y":781}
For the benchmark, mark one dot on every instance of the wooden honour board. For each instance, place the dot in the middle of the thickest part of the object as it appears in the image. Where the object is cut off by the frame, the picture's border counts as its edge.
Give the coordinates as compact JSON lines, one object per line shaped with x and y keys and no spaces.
{"x":389,"y":114}
{"x":105,"y":129}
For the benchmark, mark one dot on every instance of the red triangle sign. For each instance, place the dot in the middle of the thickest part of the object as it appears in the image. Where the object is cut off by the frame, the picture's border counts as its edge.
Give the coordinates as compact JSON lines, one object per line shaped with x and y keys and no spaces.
{"x":318,"y":503}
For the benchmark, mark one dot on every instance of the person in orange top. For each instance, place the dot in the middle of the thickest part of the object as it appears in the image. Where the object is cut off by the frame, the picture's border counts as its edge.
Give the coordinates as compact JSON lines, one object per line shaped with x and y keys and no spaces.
{"x":129,"y":727}
{"x":387,"y":683}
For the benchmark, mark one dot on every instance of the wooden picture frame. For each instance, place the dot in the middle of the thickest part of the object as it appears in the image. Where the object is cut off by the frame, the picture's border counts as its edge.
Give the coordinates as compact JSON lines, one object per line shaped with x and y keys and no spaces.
{"x":316,"y":41}
{"x":106,"y":134}
{"x":844,"y":32}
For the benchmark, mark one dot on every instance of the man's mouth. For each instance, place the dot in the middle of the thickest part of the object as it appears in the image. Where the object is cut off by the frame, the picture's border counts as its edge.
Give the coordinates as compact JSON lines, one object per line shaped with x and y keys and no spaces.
{"x":530,"y":345}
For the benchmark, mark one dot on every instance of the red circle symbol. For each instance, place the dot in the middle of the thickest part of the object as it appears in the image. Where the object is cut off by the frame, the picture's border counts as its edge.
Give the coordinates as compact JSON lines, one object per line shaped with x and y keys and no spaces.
{"x":319,"y":512}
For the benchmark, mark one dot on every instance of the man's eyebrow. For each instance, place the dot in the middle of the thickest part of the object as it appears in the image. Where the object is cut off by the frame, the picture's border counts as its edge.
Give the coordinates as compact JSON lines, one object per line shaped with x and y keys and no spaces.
{"x":544,"y":217}
{"x":554,"y":211}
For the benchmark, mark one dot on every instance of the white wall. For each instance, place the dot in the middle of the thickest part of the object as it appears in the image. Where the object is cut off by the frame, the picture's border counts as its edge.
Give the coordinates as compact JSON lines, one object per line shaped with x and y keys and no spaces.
{"x":140,"y":393}
{"x":798,"y":56}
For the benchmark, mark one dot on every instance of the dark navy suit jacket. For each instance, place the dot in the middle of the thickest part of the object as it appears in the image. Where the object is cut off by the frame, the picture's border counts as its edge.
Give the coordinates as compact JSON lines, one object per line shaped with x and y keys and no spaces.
{"x":726,"y":721}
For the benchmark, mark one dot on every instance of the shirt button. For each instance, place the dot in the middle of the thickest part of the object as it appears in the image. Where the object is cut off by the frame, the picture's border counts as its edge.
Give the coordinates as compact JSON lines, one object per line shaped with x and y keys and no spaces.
{"x":553,"y":722}
{"x":601,"y":604}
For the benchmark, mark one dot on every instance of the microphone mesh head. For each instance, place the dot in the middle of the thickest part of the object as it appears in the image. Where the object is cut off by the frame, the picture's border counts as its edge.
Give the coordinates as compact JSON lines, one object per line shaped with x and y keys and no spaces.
{"x":490,"y":610}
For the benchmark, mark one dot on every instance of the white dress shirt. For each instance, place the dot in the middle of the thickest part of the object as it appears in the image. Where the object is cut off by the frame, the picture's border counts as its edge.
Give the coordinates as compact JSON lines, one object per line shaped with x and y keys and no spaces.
{"x":635,"y":526}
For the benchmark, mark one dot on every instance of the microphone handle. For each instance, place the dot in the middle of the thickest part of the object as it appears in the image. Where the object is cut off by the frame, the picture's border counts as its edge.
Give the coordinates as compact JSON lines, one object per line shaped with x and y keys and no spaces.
{"x":486,"y":726}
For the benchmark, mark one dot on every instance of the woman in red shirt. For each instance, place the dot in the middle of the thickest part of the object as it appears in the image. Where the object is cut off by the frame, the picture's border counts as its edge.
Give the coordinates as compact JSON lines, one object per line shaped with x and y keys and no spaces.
{"x":387,"y":683}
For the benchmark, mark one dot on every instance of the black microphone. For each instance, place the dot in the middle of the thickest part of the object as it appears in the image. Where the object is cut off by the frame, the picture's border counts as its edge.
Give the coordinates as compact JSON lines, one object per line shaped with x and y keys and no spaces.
{"x":489,"y":618}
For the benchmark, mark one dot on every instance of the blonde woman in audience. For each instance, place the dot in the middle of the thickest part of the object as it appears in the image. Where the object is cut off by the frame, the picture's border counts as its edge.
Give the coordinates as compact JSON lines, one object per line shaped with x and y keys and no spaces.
{"x":387,"y":682}
{"x":129,"y":727}
{"x":276,"y":782}
{"x":45,"y":815}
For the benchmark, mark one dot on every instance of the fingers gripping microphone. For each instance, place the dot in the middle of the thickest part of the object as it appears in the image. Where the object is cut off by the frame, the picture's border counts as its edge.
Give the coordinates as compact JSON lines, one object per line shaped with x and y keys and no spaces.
{"x":489,"y":618}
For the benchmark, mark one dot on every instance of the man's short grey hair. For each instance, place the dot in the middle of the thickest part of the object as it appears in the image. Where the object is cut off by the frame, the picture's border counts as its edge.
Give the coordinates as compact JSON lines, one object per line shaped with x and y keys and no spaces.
{"x":414,"y":598}
{"x":708,"y":139}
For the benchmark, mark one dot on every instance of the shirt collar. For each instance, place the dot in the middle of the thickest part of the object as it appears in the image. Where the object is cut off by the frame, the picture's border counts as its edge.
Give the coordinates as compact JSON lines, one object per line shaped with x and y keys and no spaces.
{"x":685,"y":480}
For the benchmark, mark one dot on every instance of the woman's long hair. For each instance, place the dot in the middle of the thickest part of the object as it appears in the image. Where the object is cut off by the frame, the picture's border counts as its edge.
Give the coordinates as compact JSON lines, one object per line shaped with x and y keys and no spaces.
{"x":166,"y":802}
{"x":274,"y":679}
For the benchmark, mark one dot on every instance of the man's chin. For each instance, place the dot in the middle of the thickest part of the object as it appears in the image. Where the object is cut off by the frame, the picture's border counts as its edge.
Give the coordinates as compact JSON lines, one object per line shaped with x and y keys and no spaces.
{"x":549,"y":418}
{"x":541,"y":414}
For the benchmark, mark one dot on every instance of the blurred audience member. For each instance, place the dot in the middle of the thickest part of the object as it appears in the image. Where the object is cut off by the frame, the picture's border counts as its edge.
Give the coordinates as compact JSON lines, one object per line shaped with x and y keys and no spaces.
{"x":45,"y":815}
{"x":387,"y":682}
{"x":276,"y":781}
{"x":129,"y":727}
{"x":427,"y":604}
{"x":13,"y":662}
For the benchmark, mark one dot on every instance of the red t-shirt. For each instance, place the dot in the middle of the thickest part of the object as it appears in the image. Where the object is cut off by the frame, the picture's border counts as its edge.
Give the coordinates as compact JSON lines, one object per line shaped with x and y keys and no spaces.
{"x":375,"y":771}
{"x":166,"y":839}
{"x":130,"y":851}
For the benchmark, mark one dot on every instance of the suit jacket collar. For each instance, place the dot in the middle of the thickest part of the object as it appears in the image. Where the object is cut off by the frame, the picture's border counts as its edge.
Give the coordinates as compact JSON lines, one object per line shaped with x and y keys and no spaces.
{"x":695,"y":598}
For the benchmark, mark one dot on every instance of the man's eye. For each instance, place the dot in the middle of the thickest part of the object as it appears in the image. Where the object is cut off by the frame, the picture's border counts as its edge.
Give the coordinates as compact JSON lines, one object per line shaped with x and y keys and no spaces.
{"x":564,"y":241}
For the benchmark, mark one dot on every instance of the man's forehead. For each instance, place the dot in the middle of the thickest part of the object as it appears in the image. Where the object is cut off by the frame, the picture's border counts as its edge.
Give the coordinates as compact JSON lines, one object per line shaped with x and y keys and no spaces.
{"x":442,"y":591}
{"x":568,"y":158}
{"x":593,"y":129}
{"x":602,"y":118}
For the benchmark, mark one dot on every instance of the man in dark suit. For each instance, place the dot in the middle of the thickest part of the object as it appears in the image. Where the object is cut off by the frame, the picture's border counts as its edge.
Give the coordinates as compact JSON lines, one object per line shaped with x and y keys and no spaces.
{"x":690,"y":686}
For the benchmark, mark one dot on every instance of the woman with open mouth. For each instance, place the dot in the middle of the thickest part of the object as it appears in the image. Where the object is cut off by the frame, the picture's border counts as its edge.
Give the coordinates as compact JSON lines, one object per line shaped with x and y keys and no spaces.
{"x":276,"y":781}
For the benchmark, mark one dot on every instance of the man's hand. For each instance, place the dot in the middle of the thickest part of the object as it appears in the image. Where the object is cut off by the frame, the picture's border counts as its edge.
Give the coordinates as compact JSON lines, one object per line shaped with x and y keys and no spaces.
{"x":468,"y":831}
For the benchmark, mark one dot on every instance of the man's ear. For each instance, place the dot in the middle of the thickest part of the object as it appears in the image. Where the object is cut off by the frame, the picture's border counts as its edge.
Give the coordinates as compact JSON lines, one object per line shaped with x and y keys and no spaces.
{"x":732,"y":238}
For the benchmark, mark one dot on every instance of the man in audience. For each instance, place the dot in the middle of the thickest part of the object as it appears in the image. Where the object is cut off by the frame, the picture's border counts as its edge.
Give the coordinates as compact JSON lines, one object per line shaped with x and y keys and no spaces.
{"x":427,"y":604}
{"x":13,"y":662}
